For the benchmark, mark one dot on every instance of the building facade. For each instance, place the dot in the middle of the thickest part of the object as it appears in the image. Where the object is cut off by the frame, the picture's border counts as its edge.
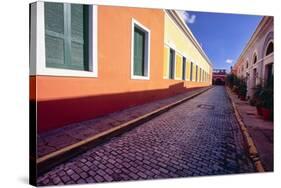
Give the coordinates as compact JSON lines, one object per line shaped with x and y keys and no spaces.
{"x":88,"y":60}
{"x":184,"y":58}
{"x":219,"y":76}
{"x":255,"y":64}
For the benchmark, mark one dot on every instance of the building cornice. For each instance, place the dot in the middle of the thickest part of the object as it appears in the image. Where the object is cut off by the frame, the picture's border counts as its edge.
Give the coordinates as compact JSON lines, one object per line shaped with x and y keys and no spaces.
{"x":259,"y":29}
{"x":181,"y":23}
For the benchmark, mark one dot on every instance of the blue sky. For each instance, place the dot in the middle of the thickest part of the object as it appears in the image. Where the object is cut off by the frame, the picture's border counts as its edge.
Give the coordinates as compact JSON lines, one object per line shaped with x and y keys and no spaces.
{"x":222,"y":36}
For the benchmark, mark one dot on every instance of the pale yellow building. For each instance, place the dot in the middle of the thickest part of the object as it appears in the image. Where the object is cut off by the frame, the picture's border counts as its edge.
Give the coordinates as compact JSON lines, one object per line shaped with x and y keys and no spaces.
{"x":184,"y":59}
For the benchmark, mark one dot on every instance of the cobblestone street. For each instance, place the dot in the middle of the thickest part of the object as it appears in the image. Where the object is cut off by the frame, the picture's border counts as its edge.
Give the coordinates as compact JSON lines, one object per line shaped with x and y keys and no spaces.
{"x":197,"y":138}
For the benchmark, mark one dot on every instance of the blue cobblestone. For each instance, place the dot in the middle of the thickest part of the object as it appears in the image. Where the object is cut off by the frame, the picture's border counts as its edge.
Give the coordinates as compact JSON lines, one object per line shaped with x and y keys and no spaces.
{"x":197,"y":138}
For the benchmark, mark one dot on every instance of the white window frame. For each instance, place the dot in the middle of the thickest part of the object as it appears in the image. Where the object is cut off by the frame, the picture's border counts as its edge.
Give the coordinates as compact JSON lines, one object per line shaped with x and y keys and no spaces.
{"x":167,"y":63}
{"x":140,"y":26}
{"x":37,"y":45}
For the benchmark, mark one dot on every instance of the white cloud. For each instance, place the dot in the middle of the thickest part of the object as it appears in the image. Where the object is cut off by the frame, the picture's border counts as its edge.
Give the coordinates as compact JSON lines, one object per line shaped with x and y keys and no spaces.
{"x":229,"y":61}
{"x":188,"y":18}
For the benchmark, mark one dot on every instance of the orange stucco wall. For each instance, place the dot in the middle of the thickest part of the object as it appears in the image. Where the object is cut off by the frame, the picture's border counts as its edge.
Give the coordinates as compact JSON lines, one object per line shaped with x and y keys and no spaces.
{"x":63,"y":100}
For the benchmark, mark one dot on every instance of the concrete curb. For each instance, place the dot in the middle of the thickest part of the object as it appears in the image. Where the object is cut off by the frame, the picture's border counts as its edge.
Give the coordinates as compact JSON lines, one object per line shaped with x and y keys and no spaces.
{"x":252,"y":150}
{"x":55,"y":158}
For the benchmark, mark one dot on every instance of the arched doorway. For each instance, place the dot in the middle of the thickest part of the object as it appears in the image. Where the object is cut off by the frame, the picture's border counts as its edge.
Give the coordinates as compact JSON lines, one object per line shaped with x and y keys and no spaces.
{"x":219,"y":81}
{"x":269,"y":66}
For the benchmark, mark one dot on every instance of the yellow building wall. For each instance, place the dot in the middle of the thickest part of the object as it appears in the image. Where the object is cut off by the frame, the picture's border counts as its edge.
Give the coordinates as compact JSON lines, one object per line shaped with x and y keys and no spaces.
{"x":194,"y":72}
{"x":178,"y":66}
{"x":176,"y":39}
{"x":187,"y":70}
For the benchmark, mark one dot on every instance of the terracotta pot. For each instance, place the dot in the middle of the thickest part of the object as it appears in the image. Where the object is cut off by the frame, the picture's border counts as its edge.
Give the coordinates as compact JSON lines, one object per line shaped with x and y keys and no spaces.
{"x":266,"y":113}
{"x":259,"y":111}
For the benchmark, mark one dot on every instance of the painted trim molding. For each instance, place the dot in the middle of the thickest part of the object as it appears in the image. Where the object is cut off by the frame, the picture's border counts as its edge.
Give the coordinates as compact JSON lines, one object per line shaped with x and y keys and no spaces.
{"x":135,"y":23}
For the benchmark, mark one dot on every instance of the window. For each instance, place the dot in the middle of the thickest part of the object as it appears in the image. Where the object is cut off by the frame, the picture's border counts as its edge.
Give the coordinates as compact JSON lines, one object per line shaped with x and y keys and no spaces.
{"x":254,"y":76}
{"x":247,"y":64}
{"x":140,"y":51}
{"x":196,"y":73}
{"x":191,"y":70}
{"x":172,"y":64}
{"x":269,"y":49}
{"x":204,"y":74}
{"x":200,"y":75}
{"x":63,"y":39}
{"x":66,"y":36}
{"x":139,"y":59}
{"x":269,"y":72}
{"x":255,"y":59}
{"x":183,"y":68}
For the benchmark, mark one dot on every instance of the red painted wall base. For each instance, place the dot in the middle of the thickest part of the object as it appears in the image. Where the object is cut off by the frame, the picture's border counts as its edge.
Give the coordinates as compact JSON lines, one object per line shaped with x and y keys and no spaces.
{"x":58,"y":113}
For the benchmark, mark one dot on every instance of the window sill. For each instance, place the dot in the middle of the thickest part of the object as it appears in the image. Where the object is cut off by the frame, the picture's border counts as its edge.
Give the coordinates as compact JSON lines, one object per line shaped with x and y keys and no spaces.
{"x":66,"y":72}
{"x":139,"y":77}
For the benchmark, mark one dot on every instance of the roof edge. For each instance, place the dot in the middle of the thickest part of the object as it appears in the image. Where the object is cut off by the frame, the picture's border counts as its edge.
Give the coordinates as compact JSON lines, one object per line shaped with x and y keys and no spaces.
{"x":180,"y":22}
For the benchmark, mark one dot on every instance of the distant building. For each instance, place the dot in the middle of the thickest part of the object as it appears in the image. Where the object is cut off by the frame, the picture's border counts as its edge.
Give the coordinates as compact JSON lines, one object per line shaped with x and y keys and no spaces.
{"x":255,"y":63}
{"x":219,"y":76}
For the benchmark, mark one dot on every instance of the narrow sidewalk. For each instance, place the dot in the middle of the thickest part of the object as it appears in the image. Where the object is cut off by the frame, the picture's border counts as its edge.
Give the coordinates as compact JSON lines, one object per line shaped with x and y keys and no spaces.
{"x":60,"y":138}
{"x":260,"y":130}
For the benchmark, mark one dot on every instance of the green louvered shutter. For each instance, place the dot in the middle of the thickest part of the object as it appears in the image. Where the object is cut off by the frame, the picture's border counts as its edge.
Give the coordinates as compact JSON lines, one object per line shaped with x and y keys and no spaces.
{"x":66,"y":35}
{"x":172,"y":64}
{"x":139,"y":42}
{"x":54,"y":34}
{"x":79,"y":28}
{"x":183,"y":68}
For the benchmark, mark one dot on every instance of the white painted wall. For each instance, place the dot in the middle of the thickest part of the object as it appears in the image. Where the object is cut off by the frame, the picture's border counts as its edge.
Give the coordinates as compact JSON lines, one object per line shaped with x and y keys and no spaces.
{"x":258,"y":45}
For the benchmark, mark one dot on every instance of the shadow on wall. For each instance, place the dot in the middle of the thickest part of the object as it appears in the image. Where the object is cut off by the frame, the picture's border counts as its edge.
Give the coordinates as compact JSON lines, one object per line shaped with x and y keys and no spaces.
{"x":57,"y":113}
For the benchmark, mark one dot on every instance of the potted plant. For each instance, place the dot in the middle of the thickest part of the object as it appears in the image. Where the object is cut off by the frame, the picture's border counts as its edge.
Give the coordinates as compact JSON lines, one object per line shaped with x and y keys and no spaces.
{"x":267,"y":103}
{"x":235,"y":84}
{"x":266,"y":96}
{"x":257,"y":99}
{"x":242,"y":89}
{"x":230,"y":80}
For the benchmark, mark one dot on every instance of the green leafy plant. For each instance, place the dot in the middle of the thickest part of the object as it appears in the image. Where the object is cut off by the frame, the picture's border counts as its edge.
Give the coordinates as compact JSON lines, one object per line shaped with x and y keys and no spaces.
{"x":257,"y":95}
{"x":263,"y":97}
{"x":242,"y":88}
{"x":266,"y":94}
{"x":230,"y":80}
